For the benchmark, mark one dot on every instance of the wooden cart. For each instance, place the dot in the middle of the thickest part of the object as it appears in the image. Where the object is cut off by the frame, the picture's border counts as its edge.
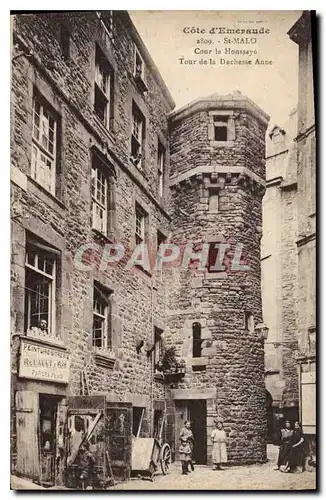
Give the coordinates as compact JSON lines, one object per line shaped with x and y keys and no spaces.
{"x":150,"y":453}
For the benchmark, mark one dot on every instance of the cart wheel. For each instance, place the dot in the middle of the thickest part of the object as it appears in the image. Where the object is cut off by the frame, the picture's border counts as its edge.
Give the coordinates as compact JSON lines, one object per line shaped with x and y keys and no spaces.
{"x":165,"y":458}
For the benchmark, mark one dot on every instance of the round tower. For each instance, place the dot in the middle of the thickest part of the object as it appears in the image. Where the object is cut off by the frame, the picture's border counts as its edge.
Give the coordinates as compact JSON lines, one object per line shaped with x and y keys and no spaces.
{"x":217,"y":181}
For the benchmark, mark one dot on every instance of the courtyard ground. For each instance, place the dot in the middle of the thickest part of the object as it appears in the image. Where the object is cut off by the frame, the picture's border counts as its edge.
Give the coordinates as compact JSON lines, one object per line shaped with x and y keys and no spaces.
{"x":248,"y":477}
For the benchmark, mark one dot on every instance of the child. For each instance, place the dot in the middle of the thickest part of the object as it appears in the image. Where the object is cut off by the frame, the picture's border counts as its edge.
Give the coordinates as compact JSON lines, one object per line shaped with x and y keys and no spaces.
{"x":185,"y":449}
{"x":219,"y":445}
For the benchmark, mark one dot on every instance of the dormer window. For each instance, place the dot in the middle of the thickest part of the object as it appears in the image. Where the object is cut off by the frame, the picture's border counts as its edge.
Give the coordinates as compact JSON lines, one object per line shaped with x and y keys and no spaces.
{"x":139,"y":70}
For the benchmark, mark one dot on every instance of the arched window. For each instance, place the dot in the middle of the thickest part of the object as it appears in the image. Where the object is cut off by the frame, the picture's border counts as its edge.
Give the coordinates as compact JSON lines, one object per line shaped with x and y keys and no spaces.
{"x":196,"y":340}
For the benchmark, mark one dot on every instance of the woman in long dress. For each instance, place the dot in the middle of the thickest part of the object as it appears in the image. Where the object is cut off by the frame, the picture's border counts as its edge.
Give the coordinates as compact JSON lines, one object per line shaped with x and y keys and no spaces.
{"x":219,"y":440}
{"x":285,"y":447}
{"x":296,"y":455}
{"x":185,"y":449}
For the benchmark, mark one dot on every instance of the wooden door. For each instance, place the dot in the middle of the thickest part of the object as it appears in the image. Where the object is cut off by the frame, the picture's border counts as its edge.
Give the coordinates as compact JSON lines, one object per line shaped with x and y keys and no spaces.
{"x":197,"y":416}
{"x":27,"y":436}
{"x":181,"y":415}
{"x":119,"y":442}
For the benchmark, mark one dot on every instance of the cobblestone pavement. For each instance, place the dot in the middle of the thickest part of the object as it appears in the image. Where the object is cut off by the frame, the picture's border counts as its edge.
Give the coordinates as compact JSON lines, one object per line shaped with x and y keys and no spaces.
{"x":250,"y":477}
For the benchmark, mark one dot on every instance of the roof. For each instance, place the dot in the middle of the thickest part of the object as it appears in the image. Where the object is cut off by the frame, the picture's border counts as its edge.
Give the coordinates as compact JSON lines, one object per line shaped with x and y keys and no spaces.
{"x":234,"y":101}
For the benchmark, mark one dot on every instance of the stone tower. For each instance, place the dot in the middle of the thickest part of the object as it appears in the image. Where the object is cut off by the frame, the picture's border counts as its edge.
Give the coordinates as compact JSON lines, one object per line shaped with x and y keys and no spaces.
{"x":217,"y":181}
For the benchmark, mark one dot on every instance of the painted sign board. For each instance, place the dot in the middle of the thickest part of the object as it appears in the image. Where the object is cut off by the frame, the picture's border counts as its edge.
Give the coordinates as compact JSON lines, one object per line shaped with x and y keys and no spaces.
{"x":42,"y":362}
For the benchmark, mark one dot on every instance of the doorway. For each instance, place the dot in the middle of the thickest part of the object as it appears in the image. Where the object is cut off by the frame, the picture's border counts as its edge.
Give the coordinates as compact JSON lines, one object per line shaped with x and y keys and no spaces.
{"x":195,"y":411}
{"x":48,"y":408}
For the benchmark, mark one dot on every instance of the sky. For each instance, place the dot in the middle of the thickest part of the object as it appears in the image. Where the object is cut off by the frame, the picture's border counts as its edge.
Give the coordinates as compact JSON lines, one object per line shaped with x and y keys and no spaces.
{"x":272,"y":87}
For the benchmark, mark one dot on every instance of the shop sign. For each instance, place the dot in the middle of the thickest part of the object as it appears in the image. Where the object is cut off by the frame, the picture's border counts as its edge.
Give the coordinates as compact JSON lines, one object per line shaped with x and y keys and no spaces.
{"x":42,"y":362}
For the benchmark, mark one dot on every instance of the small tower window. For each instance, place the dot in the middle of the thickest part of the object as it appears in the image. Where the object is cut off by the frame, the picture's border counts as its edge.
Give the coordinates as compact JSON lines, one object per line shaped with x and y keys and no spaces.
{"x":221,"y":128}
{"x":196,"y":340}
{"x":249,"y":321}
{"x":213,"y":200}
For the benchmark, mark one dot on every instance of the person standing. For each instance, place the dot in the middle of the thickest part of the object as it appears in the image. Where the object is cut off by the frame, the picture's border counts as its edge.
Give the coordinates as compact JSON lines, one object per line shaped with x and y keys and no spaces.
{"x":285,"y":447}
{"x":219,"y":440}
{"x":186,"y":438}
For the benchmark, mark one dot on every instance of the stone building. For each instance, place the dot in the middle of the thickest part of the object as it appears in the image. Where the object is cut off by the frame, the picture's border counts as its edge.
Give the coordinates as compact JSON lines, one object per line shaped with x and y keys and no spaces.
{"x":279,"y":275}
{"x":289,"y":253}
{"x":98,"y":159}
{"x":301,"y":34}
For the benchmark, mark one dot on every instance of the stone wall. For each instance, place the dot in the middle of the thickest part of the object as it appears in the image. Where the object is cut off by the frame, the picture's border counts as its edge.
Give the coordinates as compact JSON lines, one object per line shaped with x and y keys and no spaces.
{"x":64,"y":220}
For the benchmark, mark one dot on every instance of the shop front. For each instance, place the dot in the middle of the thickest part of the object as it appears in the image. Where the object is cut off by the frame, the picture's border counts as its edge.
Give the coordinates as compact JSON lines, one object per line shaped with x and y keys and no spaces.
{"x":40,"y":411}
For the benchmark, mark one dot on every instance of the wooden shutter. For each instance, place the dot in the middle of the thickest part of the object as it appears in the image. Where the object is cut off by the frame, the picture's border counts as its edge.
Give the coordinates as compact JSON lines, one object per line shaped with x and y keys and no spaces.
{"x":27,"y":434}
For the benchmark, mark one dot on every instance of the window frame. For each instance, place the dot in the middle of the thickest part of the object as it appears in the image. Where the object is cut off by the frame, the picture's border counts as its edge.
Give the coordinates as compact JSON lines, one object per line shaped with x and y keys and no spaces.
{"x":104,"y":92}
{"x":196,"y":327}
{"x":52,"y":280}
{"x":226,"y":120}
{"x":106,"y":326}
{"x":249,"y":322}
{"x":138,"y":131}
{"x":38,"y":148}
{"x":161,"y":168}
{"x":140,"y":228}
{"x":213,"y":191}
{"x":97,"y":170}
{"x":136,"y":73}
{"x":221,"y":122}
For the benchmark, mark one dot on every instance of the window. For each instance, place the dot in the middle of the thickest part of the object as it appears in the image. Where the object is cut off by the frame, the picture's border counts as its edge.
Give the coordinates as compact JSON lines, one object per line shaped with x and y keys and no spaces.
{"x":212,"y":257}
{"x":44,"y":144}
{"x":106,"y":20}
{"x":138,"y":65}
{"x":139,"y":71}
{"x":312,"y":338}
{"x":213,"y":200}
{"x":249,"y":322}
{"x":158,"y":346}
{"x":99,"y":199}
{"x":137,"y":136}
{"x":40,"y":273}
{"x":101,"y":324}
{"x":221,"y":128}
{"x":196,"y":340}
{"x":103,"y":88}
{"x":140,"y":225}
{"x":160,"y":168}
{"x":161,"y":238}
{"x":48,"y":410}
{"x":64,"y":42}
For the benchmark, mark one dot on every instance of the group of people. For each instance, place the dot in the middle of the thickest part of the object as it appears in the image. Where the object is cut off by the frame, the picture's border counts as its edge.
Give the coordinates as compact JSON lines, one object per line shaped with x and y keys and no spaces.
{"x":218,"y":438}
{"x":291,"y":451}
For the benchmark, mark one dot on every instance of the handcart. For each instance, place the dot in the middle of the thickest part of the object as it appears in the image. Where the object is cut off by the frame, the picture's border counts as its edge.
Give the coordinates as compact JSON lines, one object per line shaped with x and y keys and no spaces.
{"x":150,"y":453}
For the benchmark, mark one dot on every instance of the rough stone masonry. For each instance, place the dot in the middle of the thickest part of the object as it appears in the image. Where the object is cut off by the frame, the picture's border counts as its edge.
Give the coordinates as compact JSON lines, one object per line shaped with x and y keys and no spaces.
{"x":226,"y":304}
{"x":213,"y":188}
